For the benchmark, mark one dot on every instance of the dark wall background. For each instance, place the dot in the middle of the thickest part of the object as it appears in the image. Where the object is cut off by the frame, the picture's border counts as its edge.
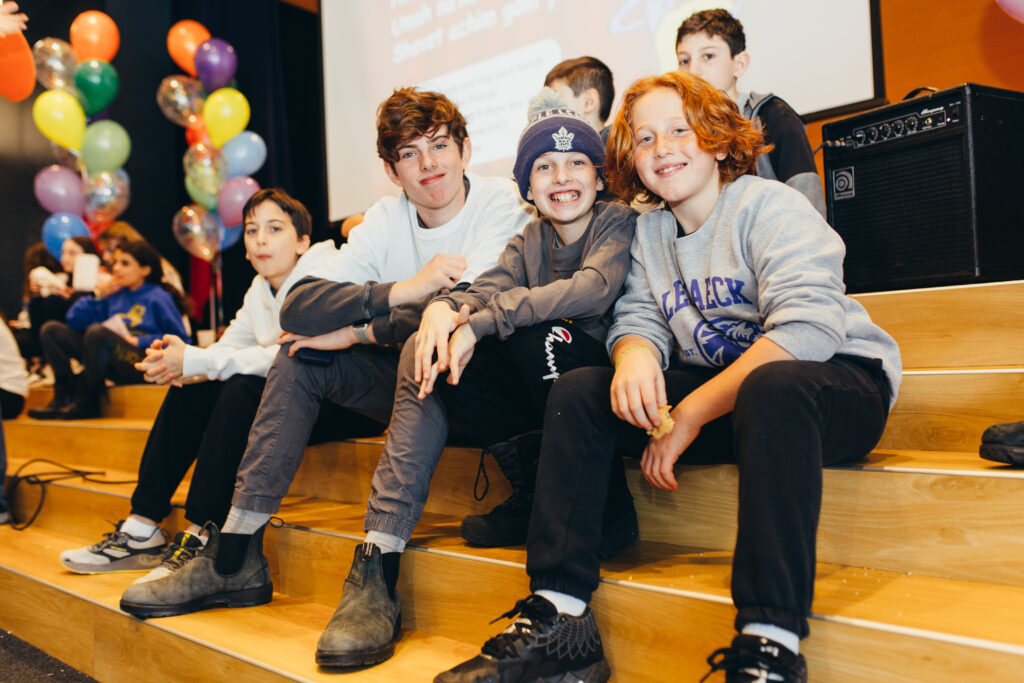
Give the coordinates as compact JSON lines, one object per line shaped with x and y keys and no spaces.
{"x":279,"y":72}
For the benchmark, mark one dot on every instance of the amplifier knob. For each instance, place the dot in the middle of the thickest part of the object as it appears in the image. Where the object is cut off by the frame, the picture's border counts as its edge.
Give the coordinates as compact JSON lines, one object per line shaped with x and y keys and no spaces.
{"x":873,"y":133}
{"x":859,"y":137}
{"x":911,"y":124}
{"x":897,"y":126}
{"x":885,"y":129}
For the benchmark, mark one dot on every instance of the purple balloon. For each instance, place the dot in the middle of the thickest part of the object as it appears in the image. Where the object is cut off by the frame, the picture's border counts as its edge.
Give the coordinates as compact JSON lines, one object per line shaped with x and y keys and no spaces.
{"x":234,"y":193}
{"x":59,"y":189}
{"x":215,"y":62}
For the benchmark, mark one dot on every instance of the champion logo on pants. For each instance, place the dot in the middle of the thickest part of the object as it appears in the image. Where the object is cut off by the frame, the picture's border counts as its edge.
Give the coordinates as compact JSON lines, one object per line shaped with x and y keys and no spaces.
{"x":557,"y":334}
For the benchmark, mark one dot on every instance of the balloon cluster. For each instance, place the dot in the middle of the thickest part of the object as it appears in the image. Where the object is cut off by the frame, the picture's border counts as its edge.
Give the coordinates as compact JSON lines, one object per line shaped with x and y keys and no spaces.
{"x":87,"y":189}
{"x":222,"y":155}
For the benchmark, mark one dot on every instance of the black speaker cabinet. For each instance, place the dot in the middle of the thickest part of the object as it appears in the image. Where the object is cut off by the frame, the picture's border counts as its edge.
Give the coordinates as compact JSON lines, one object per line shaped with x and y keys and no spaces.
{"x":930,"y":191}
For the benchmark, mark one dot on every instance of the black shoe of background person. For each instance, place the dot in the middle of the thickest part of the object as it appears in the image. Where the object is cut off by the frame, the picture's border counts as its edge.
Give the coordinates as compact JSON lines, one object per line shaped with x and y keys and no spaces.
{"x":80,"y":409}
{"x":1004,"y":443}
{"x":508,"y":522}
{"x":752,"y":658}
{"x":199,"y":585}
{"x":62,"y":396}
{"x":368,"y":620}
{"x":542,"y":644}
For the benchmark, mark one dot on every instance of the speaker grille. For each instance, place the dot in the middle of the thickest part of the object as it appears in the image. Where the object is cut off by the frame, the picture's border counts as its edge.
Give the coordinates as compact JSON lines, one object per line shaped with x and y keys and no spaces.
{"x":909,"y":219}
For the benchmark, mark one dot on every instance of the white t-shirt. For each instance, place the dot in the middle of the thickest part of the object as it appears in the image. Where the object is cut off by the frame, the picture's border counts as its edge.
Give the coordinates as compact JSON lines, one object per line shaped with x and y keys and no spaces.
{"x":13,"y":375}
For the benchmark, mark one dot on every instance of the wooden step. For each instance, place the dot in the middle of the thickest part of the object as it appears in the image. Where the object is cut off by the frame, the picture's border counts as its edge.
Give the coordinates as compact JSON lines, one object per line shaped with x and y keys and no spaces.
{"x":944,"y":514}
{"x":661,"y":609}
{"x":961,"y":326}
{"x":76,"y":618}
{"x":105,"y":443}
{"x":947,"y":410}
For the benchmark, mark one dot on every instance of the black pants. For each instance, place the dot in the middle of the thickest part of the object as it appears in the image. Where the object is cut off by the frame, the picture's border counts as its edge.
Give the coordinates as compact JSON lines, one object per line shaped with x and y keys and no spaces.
{"x":504,"y":389}
{"x":41,"y":310}
{"x":10,"y":407}
{"x":102,"y":352}
{"x":790,"y":419}
{"x":209,"y":423}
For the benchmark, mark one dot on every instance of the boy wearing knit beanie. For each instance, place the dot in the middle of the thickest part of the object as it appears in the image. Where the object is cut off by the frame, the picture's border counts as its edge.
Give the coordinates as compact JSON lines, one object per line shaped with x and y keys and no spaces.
{"x":543,"y":310}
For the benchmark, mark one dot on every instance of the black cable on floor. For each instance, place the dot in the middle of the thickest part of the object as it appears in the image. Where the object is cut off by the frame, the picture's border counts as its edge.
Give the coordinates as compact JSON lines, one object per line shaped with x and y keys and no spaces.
{"x":41,"y":479}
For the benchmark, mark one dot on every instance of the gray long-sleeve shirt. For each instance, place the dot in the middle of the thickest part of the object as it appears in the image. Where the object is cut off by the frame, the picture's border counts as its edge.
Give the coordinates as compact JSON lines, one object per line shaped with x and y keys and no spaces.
{"x":536,"y":281}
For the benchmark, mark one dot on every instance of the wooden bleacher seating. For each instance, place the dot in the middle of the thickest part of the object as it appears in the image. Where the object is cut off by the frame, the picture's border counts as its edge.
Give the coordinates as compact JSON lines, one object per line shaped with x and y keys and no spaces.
{"x":920,"y":547}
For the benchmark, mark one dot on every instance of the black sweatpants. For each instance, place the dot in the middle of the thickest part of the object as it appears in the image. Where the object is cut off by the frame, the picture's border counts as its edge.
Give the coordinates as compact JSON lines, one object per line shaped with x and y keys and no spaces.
{"x":790,"y":419}
{"x":209,"y":423}
{"x":103,"y":352}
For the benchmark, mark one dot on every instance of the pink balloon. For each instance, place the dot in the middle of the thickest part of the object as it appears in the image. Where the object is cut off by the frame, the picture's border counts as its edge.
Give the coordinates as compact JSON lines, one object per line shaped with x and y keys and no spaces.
{"x":1015,"y":8}
{"x":60,"y":189}
{"x":234,"y":193}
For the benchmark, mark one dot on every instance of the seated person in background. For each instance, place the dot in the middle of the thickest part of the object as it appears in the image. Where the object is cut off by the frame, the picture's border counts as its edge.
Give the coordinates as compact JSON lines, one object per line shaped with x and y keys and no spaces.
{"x":13,"y":390}
{"x":734,"y":313}
{"x":109,"y":332}
{"x":586,"y":87}
{"x":505,"y":339}
{"x":447,"y":227}
{"x":711,"y":44}
{"x":51,"y":291}
{"x":207,"y":422}
{"x":120,"y":232}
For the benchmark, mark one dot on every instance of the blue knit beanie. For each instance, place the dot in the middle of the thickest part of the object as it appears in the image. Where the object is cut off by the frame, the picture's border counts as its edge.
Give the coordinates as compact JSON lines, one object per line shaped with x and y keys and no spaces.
{"x":554,"y":129}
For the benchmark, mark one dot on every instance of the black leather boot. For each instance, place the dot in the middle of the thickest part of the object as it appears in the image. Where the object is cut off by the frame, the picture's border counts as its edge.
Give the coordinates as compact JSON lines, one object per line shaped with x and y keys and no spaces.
{"x":509,"y":521}
{"x":62,"y":396}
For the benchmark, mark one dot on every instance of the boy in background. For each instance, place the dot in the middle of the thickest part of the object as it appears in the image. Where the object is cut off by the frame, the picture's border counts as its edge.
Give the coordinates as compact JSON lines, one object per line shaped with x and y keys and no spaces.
{"x":585,"y":86}
{"x":711,"y":44}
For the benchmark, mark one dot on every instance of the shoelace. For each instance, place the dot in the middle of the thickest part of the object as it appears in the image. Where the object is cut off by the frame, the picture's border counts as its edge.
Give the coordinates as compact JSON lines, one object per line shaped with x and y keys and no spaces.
{"x":481,"y":471}
{"x":115,"y":537}
{"x":732,"y":659}
{"x":177,"y":555}
{"x":503,"y":645}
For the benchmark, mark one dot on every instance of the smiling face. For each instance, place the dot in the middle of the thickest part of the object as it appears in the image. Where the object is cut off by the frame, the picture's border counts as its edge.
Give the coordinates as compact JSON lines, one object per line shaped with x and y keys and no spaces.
{"x":69,"y":251}
{"x":709,"y":57}
{"x":564,"y":186}
{"x":430,"y":170}
{"x":670,"y":161}
{"x":128,"y":272}
{"x":272,"y":244}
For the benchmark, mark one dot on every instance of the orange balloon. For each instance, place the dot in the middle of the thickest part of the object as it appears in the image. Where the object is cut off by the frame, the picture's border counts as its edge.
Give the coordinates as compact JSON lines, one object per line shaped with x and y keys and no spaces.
{"x":182,"y":41}
{"x":17,"y":68}
{"x":94,"y":35}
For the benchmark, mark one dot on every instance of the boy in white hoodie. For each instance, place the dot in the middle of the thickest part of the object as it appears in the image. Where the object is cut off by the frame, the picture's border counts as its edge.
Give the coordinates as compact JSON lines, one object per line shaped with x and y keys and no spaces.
{"x":208,"y":421}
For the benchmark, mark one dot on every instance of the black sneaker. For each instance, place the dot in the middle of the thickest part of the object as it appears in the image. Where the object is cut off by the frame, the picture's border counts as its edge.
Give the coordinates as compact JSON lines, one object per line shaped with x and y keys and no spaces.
{"x":753,"y":658}
{"x":177,"y":553}
{"x":541,"y":644}
{"x":1004,"y":443}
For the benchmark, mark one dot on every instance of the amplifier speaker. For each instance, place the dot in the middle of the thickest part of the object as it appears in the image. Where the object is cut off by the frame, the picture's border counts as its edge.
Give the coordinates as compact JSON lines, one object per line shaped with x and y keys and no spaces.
{"x":929,"y":191}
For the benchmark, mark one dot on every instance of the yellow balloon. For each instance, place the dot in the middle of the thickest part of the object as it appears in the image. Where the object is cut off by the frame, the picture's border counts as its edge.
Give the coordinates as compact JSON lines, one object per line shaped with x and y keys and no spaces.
{"x":59,"y":117}
{"x":226,"y":114}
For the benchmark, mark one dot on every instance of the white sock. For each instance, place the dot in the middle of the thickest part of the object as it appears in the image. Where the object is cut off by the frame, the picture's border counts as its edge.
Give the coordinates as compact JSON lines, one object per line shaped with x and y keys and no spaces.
{"x":783,"y":637}
{"x":565,"y":604}
{"x":241,"y":521}
{"x":134,"y":527}
{"x":387,"y":543}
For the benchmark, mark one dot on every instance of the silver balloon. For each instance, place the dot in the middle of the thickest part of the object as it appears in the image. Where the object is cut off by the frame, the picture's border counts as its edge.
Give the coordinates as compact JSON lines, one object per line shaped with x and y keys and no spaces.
{"x":55,"y":64}
{"x":205,"y":168}
{"x":107,"y":194}
{"x":198,"y":231}
{"x":70,"y":158}
{"x":181,"y":99}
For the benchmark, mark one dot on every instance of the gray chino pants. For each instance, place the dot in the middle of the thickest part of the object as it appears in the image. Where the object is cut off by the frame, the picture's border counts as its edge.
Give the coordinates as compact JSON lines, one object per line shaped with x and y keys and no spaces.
{"x":360,"y":378}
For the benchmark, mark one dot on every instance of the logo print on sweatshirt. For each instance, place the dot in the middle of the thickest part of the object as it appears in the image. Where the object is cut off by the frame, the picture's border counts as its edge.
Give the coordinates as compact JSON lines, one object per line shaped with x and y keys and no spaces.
{"x":557,"y":334}
{"x":563,"y":140}
{"x":720,"y":349}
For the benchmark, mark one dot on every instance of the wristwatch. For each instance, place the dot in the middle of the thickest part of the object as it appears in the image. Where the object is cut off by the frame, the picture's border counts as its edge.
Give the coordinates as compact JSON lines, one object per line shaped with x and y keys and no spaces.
{"x":361,"y":336}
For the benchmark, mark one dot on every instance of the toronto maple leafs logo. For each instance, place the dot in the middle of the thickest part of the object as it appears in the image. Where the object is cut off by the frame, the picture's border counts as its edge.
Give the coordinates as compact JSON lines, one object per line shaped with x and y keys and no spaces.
{"x":563,"y":140}
{"x":722,"y":346}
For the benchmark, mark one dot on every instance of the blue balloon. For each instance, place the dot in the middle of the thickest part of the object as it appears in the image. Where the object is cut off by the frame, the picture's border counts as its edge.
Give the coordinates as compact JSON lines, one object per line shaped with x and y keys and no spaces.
{"x":230,"y":236}
{"x":59,"y":227}
{"x":245,"y":153}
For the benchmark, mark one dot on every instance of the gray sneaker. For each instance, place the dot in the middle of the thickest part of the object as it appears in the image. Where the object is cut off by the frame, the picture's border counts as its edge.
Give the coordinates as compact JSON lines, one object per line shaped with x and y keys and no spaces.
{"x":117,"y":552}
{"x":183,"y":549}
{"x":367,"y":622}
{"x":198,"y":585}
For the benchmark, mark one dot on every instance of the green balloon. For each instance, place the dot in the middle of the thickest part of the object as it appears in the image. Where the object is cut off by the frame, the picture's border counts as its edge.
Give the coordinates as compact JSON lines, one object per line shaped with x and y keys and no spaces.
{"x":105,"y":146}
{"x":200,"y":196}
{"x":97,"y":81}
